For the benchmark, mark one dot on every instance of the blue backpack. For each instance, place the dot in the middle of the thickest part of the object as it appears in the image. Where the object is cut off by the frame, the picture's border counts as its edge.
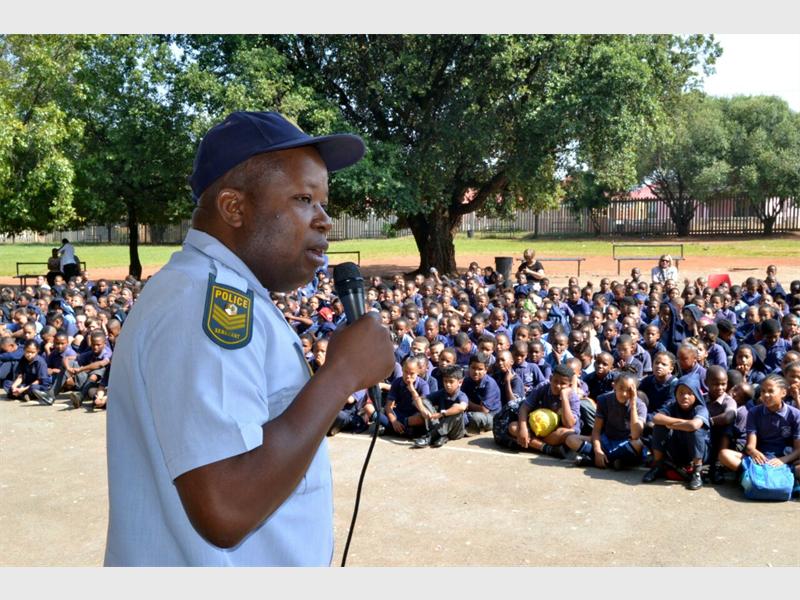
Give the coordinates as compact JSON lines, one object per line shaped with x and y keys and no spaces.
{"x":765,"y":482}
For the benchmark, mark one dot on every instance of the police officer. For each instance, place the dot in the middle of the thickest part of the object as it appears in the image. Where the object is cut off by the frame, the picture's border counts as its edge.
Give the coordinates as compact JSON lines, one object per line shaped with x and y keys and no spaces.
{"x":216,"y":449}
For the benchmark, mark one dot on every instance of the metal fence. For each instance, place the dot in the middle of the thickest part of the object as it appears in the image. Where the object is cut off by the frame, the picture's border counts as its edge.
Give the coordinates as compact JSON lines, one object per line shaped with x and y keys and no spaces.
{"x":623,"y":217}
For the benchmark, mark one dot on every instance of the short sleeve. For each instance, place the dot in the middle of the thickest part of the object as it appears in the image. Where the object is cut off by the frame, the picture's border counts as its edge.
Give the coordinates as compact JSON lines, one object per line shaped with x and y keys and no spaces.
{"x":213,"y":406}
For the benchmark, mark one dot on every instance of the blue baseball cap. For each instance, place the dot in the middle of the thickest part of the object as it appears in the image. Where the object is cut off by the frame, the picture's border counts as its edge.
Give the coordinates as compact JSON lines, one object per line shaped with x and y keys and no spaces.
{"x":244,"y":134}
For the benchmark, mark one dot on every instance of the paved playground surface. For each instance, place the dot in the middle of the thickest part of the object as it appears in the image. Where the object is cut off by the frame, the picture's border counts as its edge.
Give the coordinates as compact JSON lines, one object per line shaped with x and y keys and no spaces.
{"x":467,"y":503}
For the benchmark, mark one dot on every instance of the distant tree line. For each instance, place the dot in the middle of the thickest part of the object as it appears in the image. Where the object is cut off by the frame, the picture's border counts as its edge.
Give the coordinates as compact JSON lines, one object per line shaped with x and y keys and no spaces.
{"x":102,"y":128}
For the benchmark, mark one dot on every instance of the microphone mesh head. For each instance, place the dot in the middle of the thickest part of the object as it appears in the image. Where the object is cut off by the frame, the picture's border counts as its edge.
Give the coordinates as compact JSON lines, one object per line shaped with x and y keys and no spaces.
{"x":346,"y":271}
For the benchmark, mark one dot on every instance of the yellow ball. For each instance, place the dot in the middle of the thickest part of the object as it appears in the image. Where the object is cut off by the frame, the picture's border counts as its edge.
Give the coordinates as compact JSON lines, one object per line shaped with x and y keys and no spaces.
{"x":543,"y":422}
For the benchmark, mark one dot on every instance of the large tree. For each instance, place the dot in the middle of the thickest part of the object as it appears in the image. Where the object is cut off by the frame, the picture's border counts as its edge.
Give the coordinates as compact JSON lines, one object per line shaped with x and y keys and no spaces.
{"x":684,"y":160}
{"x":462,"y":123}
{"x":39,"y":137}
{"x":137,"y":151}
{"x":765,"y":159}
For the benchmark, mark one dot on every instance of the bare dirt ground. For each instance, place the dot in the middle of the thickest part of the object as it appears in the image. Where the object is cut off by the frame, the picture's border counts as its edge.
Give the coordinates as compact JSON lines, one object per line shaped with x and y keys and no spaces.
{"x":468,"y":503}
{"x":593,"y":268}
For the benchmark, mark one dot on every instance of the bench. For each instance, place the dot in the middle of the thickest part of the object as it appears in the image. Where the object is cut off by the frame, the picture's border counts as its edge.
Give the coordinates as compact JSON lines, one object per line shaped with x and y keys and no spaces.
{"x":641,"y":256}
{"x":24,"y":272}
{"x":576,"y":259}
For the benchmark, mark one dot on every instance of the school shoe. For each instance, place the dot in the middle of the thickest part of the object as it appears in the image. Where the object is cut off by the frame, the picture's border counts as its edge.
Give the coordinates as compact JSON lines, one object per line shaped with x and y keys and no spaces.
{"x":45,"y":396}
{"x":583,"y":460}
{"x":716,"y":475}
{"x":439,"y":441}
{"x":696,"y":480}
{"x":422,"y":441}
{"x":657,"y":471}
{"x":75,"y":398}
{"x":371,"y":429}
{"x":554,"y":451}
{"x":616,"y":464}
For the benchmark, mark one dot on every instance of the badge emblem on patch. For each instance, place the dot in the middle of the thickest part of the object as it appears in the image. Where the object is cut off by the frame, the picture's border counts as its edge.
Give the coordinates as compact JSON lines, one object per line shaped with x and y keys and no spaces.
{"x":228,"y":316}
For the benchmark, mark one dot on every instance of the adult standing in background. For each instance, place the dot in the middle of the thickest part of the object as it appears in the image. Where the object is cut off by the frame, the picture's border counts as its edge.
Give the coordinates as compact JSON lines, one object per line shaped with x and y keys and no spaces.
{"x":664,"y":270}
{"x":69,"y":264}
{"x":531,"y":268}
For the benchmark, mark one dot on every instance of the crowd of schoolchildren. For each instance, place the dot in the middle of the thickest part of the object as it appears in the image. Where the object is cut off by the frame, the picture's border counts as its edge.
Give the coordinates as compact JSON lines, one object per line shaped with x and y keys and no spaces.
{"x":60,"y":337}
{"x":674,"y":375}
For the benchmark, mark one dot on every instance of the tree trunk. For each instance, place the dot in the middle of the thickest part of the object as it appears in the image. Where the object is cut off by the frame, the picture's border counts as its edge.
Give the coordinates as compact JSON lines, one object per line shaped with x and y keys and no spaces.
{"x":433,"y":234}
{"x":681,"y":210}
{"x":769,"y":224}
{"x":135,"y":267}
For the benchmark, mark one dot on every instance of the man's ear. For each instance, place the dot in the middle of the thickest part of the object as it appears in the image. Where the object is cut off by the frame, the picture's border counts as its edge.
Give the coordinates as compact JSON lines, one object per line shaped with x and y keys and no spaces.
{"x":230,"y":206}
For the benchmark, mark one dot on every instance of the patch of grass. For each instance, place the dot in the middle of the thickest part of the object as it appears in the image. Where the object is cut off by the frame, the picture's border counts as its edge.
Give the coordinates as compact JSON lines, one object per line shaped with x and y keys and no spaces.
{"x":95,"y":255}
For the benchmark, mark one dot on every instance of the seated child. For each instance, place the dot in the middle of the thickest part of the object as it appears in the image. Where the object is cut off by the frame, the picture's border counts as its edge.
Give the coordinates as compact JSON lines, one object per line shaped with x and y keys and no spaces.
{"x":507,"y":380}
{"x":404,"y":409}
{"x":483,"y":395}
{"x":660,"y":386}
{"x":773,"y":430}
{"x":30,"y":374}
{"x":680,"y":432}
{"x":89,"y":367}
{"x":445,"y":410}
{"x":600,"y":381}
{"x":625,"y":360}
{"x":722,"y":412}
{"x":747,"y":361}
{"x":618,"y":426}
{"x":743,"y":394}
{"x":559,"y":395}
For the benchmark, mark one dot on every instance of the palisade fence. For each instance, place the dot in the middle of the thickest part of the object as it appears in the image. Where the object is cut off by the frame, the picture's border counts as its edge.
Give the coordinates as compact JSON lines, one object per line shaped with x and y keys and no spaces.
{"x":621,"y":218}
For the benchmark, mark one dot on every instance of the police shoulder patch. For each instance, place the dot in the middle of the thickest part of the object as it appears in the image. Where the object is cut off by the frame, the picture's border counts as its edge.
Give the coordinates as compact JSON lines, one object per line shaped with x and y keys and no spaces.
{"x":228,"y":316}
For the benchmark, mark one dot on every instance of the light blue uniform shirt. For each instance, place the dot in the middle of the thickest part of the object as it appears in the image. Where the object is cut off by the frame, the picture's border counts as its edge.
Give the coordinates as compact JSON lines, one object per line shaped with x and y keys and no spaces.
{"x":179,"y":401}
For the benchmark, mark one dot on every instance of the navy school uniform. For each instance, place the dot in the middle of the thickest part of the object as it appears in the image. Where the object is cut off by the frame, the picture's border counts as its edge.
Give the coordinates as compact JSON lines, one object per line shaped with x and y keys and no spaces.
{"x":698,"y":372}
{"x":450,"y":426}
{"x":8,"y":363}
{"x":495,"y":332}
{"x":775,"y":353}
{"x":616,"y":432}
{"x":658,"y":393}
{"x":775,"y":432}
{"x":541,"y":397}
{"x":349,"y":418}
{"x":717,"y":356}
{"x":651,"y":352}
{"x":724,"y":405}
{"x":34,"y":370}
{"x":739,"y":428}
{"x":401,"y":396}
{"x":485,"y":392}
{"x":597,"y":386}
{"x":517,"y":388}
{"x":632,"y":362}
{"x":545,"y":368}
{"x":463,"y":359}
{"x":530,"y":374}
{"x":682,"y":447}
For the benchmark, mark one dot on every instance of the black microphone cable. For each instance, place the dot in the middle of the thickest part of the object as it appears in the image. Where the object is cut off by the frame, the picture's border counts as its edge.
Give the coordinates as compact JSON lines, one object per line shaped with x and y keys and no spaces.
{"x":377,"y":425}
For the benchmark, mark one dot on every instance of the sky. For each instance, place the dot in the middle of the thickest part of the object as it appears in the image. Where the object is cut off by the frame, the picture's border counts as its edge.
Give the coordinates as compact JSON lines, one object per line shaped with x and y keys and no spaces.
{"x":758,"y":64}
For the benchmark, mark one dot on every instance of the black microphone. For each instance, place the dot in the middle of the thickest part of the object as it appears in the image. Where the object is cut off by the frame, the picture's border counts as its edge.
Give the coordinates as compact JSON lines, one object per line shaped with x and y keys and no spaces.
{"x":349,"y":286}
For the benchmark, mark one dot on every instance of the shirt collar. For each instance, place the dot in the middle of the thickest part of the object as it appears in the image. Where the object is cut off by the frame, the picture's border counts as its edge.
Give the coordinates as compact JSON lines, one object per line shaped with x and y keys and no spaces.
{"x":212,"y":247}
